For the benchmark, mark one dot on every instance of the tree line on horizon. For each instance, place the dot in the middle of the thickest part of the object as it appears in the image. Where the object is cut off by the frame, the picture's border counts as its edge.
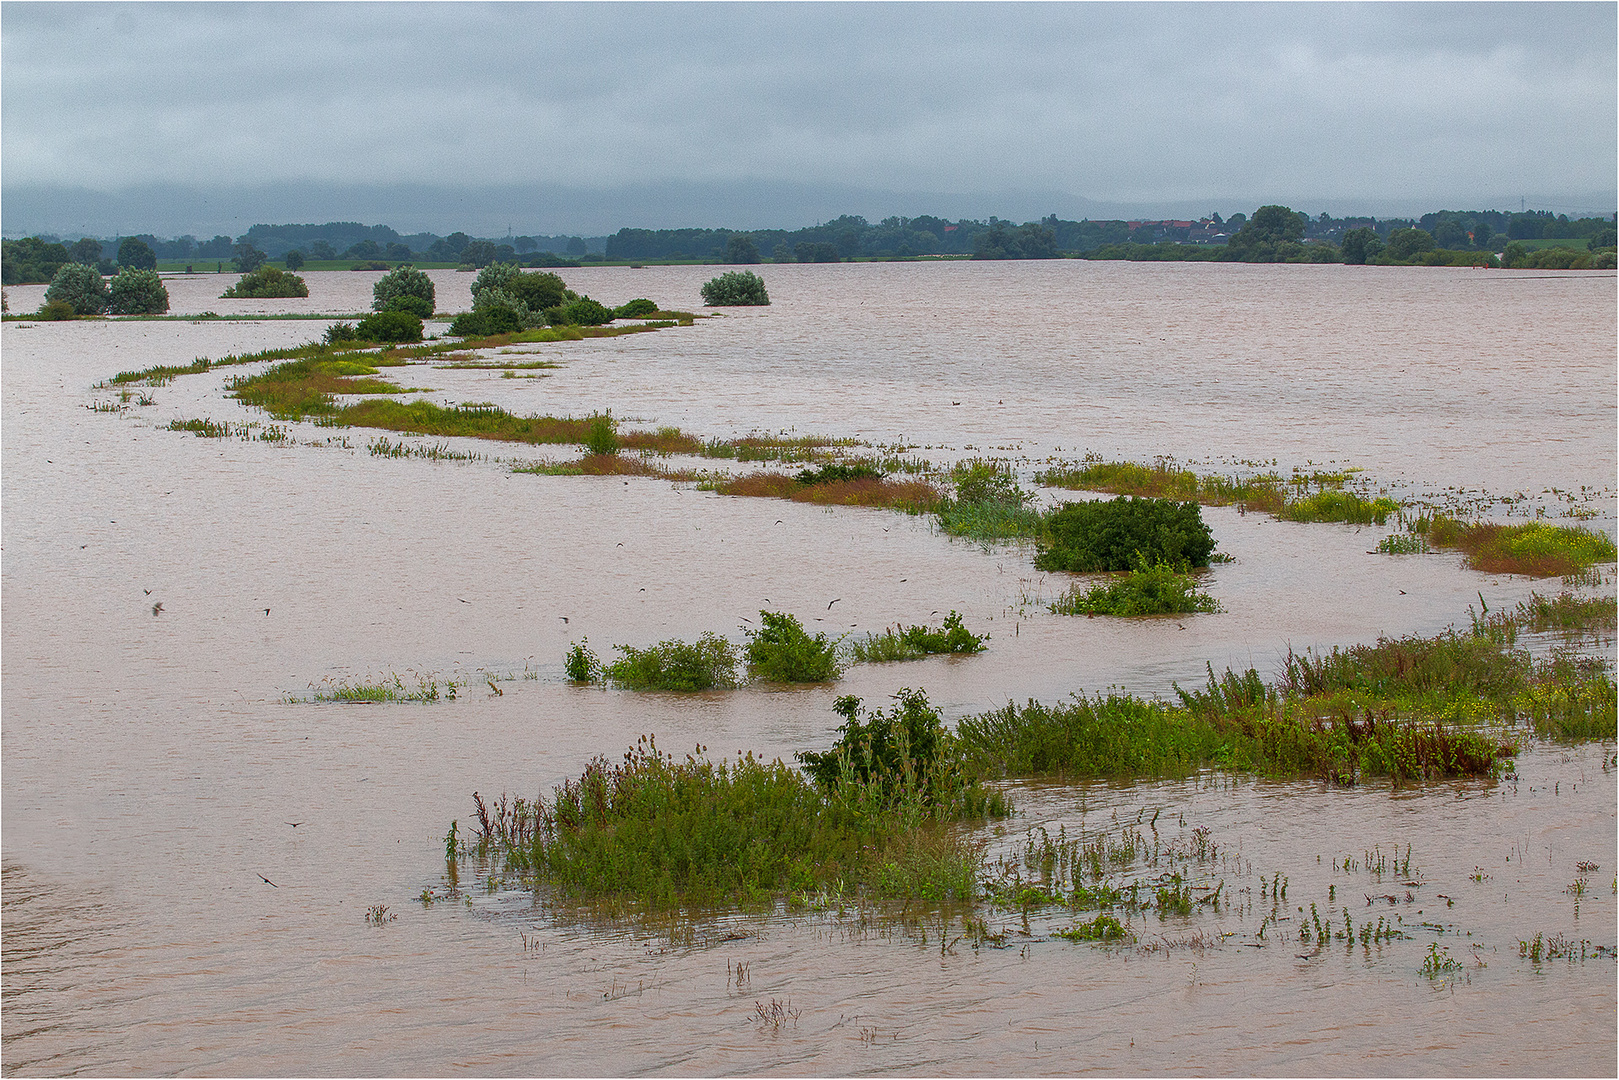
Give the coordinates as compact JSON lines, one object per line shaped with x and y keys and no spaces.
{"x":1273,"y":234}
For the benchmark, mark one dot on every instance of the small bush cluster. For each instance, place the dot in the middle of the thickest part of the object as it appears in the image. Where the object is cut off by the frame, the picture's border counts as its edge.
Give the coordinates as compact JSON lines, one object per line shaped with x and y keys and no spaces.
{"x":1155,"y":589}
{"x":639,"y":308}
{"x":989,"y":505}
{"x":404,"y":288}
{"x":81,"y":288}
{"x":709,"y":663}
{"x":265,"y":283}
{"x":389,"y":327}
{"x":736,"y":288}
{"x":781,"y":650}
{"x":137,"y":292}
{"x":601,"y":435}
{"x":1119,"y":533}
{"x":915,"y":642}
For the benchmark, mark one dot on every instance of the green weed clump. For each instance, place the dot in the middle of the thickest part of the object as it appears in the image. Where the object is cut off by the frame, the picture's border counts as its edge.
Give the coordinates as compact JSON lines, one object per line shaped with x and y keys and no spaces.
{"x":709,"y":663}
{"x":265,"y":282}
{"x":1264,"y":492}
{"x":915,"y":642}
{"x":308,"y":387}
{"x":1567,"y":613}
{"x":900,"y":758}
{"x":1117,"y":735}
{"x":782,"y":651}
{"x":664,"y":833}
{"x":1534,"y":548}
{"x":1118,"y":534}
{"x":581,"y":665}
{"x":989,"y":506}
{"x":1147,"y":590}
{"x":601,"y":435}
{"x":1335,"y":504}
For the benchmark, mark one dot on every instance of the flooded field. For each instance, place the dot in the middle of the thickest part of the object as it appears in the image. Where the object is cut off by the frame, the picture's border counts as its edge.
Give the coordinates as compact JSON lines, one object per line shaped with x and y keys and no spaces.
{"x":196,"y":853}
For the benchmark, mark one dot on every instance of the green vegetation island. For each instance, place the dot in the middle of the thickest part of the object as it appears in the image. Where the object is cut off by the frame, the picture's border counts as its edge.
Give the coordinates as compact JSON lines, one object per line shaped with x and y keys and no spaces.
{"x":1535,"y":239}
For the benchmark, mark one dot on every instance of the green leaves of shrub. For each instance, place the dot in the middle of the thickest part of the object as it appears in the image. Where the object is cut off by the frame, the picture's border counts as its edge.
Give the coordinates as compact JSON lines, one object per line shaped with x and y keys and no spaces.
{"x":139,"y":292}
{"x":404,"y":289}
{"x":1158,"y":589}
{"x":639,"y":308}
{"x":736,"y":288}
{"x":389,"y":327}
{"x":781,"y":651}
{"x":1088,"y":537}
{"x":264,"y":283}
{"x":915,"y":642}
{"x":601,"y":436}
{"x":709,"y":663}
{"x":79,"y":286}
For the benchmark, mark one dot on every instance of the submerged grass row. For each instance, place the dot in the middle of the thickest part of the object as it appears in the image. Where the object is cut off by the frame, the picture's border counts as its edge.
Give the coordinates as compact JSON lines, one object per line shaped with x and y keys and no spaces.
{"x":878,"y":814}
{"x":984,"y":501}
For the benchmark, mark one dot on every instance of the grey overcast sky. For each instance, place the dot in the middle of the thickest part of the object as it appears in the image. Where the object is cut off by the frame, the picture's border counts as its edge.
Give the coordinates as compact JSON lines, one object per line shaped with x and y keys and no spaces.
{"x":985,"y":109}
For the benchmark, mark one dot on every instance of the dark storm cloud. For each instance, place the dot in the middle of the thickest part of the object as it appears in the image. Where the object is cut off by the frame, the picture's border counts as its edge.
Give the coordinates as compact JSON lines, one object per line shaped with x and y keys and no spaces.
{"x":1130,"y":103}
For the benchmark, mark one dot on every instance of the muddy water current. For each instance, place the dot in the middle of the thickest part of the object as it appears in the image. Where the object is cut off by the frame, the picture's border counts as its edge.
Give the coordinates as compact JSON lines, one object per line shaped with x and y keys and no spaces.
{"x":192,"y":846}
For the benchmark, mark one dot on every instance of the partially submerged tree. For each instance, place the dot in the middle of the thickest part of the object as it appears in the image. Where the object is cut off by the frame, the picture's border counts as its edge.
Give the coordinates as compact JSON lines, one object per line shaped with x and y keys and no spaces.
{"x":405,"y":282}
{"x":138,"y":292}
{"x":79,"y":286}
{"x":736,"y":288}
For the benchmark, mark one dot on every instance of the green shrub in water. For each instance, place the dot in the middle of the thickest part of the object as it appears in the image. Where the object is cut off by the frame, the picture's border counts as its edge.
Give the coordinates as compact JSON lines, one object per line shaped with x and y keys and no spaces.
{"x":782,"y":651}
{"x":581,"y":666}
{"x":601,"y":436}
{"x":736,"y":288}
{"x":137,"y":292}
{"x":1147,"y":590}
{"x":389,"y":327}
{"x":638,"y":308}
{"x":915,"y":642}
{"x":1116,"y":534}
{"x":80,"y":287}
{"x":404,"y":289}
{"x":709,"y":663}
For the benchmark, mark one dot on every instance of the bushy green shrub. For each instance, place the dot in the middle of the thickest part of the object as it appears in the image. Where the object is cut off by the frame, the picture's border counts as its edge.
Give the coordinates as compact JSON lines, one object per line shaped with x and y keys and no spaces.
{"x":404,"y":283}
{"x":838,"y":473}
{"x":265,"y":283}
{"x":538,"y":291}
{"x":81,"y":287}
{"x":1116,"y":534}
{"x":581,"y":666}
{"x":496,"y":313}
{"x":782,"y":651}
{"x":412,"y":305}
{"x":339,"y":332}
{"x":709,"y":663}
{"x":57,"y":311}
{"x":498,"y":275}
{"x":138,"y":292}
{"x":735,"y":288}
{"x":389,"y":327}
{"x":915,"y":642}
{"x":581,"y":312}
{"x":902,"y":756}
{"x":1157,"y":589}
{"x":639,"y":308}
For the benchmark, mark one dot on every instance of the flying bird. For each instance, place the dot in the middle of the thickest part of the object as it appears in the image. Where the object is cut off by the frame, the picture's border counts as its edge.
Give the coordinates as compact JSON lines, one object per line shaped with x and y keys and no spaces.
{"x":157,"y":608}
{"x":829,"y":606}
{"x":268,"y":882}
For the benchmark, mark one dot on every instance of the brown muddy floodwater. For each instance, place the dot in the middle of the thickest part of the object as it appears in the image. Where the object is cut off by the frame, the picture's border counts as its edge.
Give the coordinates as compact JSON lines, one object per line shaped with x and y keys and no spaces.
{"x":153,"y":763}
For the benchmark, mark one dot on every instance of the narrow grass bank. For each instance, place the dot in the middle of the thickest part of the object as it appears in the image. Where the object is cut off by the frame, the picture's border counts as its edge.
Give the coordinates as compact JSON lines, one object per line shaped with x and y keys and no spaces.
{"x":1408,"y":709}
{"x":909,"y":496}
